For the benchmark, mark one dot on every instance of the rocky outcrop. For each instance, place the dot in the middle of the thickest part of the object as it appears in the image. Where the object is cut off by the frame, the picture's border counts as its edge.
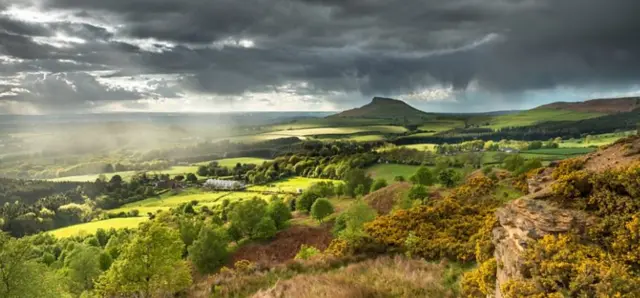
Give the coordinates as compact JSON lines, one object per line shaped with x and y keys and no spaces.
{"x":523,"y":220}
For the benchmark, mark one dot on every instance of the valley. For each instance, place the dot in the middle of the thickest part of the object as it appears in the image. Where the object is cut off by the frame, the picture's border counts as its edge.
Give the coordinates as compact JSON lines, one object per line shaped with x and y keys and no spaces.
{"x":258,"y":210}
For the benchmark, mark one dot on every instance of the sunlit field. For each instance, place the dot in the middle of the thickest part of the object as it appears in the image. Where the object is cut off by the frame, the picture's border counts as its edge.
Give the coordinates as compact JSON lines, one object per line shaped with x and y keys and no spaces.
{"x":92,"y":227}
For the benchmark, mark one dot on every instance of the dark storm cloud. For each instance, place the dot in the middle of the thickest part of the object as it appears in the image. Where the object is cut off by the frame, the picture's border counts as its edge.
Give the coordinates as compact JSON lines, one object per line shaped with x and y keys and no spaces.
{"x":372,"y":47}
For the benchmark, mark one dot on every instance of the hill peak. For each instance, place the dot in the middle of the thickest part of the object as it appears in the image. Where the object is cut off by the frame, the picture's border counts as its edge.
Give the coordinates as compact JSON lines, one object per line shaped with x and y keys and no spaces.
{"x":600,"y":105}
{"x":383,"y":108}
{"x":385,"y":100}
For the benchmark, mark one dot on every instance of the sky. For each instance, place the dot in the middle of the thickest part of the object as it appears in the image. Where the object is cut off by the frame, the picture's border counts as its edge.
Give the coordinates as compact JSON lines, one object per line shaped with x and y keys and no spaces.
{"x":92,"y":56}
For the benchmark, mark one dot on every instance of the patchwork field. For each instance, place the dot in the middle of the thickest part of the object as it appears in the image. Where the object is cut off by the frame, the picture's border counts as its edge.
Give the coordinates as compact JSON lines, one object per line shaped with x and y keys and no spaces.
{"x":126,"y":175}
{"x":421,"y":147}
{"x":542,"y":154}
{"x":231,"y":162}
{"x":355,"y":138}
{"x":339,"y":130}
{"x":289,"y":185}
{"x":596,"y":140}
{"x":92,"y":227}
{"x":436,"y":126}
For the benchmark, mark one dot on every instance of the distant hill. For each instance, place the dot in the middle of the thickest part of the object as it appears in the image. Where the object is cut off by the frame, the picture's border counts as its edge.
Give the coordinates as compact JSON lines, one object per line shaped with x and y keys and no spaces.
{"x":602,"y":105}
{"x":384,"y":108}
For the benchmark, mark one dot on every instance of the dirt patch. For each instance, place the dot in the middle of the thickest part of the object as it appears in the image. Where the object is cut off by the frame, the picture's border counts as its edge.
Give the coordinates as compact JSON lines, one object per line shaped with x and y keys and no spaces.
{"x":383,"y":200}
{"x":285,"y":246}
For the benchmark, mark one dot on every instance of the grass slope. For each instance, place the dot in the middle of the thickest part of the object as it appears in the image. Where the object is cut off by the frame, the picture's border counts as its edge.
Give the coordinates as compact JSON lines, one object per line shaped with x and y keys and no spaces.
{"x":531,"y":117}
{"x":390,"y":171}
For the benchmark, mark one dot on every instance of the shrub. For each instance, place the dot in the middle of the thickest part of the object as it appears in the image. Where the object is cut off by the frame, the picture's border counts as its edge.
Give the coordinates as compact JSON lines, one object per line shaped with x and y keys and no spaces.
{"x":306,"y":200}
{"x":399,"y":179}
{"x":447,"y":228}
{"x":279,"y":212}
{"x":246,"y":215}
{"x":418,"y":192}
{"x":265,"y":229}
{"x":423,"y":176}
{"x":378,"y":184}
{"x":562,"y":266}
{"x":572,"y":185}
{"x":209,"y":251}
{"x":566,"y":167}
{"x":306,"y":252}
{"x":321,"y":209}
{"x":480,"y":282}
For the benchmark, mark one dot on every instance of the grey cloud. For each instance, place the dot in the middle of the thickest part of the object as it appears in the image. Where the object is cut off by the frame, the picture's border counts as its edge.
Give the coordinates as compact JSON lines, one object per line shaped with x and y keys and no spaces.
{"x":371,"y":47}
{"x":70,"y":91}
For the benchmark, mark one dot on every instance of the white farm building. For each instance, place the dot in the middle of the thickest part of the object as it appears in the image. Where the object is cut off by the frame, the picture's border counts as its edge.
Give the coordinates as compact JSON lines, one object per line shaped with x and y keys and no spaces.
{"x":223,"y":184}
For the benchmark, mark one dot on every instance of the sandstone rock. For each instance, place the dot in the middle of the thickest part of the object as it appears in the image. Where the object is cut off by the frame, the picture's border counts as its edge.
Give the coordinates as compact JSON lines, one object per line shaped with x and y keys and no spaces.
{"x":523,"y":220}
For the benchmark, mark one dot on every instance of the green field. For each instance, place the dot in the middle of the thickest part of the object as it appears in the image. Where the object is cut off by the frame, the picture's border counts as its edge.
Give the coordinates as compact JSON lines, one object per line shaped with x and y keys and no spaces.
{"x":542,"y":154}
{"x":339,"y":130}
{"x":126,"y":175}
{"x":390,"y":171}
{"x":421,"y":147}
{"x":170,"y":199}
{"x":436,"y":126}
{"x":289,"y":185}
{"x":355,"y":138}
{"x":531,"y":117}
{"x":596,"y":140}
{"x":231,"y":162}
{"x":92,"y":227}
{"x":560,"y":151}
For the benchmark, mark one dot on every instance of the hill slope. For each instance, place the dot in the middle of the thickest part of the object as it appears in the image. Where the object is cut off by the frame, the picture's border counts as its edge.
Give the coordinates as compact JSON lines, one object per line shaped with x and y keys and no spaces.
{"x":383,"y":108}
{"x":602,"y":105}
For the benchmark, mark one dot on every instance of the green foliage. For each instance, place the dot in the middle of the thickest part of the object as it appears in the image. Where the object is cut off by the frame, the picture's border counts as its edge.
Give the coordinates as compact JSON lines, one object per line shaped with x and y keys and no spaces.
{"x":189,"y":228}
{"x":150,"y":266}
{"x":359,"y":191}
{"x":265,"y":229}
{"x":321,"y":209}
{"x":192,"y":178}
{"x":307,"y":252}
{"x":355,"y":179}
{"x":399,"y":179}
{"x":306,"y":200}
{"x":349,"y":225}
{"x":102,"y":236}
{"x":105,"y":261}
{"x":513,"y":162}
{"x":279,"y":212}
{"x":22,"y":276}
{"x":378,"y":184}
{"x":246,"y":215}
{"x":209,"y":252}
{"x":418,"y":192}
{"x":528,"y":166}
{"x":448,"y":177}
{"x":82,"y":267}
{"x":423,"y":176}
